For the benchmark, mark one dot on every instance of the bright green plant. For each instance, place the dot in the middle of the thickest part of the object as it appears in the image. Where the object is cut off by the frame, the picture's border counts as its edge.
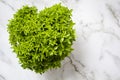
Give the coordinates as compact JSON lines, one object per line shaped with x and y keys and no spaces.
{"x":42,"y":39}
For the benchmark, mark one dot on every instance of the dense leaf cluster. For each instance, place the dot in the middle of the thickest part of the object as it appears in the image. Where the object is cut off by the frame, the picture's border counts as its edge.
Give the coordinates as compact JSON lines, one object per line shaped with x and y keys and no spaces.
{"x":41,"y":39}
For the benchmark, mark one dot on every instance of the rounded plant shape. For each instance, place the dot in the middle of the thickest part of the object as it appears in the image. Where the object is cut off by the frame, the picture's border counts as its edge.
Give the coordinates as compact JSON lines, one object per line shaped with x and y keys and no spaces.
{"x":41,"y":39}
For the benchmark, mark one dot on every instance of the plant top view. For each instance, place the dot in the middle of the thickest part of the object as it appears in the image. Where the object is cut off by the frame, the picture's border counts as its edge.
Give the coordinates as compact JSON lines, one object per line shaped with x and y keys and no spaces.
{"x":41,"y":39}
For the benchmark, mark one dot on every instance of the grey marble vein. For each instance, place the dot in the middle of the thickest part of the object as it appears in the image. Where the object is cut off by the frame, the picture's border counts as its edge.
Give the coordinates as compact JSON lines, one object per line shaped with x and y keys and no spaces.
{"x":83,"y":75}
{"x":78,"y":61}
{"x":7,"y":4}
{"x":4,"y":58}
{"x":2,"y":77}
{"x":113,"y":14}
{"x":1,"y":53}
{"x":108,"y":77}
{"x":115,"y":58}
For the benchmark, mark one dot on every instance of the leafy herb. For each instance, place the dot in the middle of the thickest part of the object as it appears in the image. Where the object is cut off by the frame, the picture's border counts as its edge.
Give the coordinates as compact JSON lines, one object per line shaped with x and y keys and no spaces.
{"x":42,"y":39}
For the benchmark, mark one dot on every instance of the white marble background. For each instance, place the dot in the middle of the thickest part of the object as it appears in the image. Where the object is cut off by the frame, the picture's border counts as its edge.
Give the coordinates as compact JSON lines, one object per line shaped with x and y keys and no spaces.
{"x":96,"y":54}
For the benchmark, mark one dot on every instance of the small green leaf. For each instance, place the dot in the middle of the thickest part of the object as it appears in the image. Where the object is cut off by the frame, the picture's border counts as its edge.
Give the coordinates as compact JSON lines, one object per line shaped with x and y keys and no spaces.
{"x":56,"y":48}
{"x":62,"y":39}
{"x":60,"y":53}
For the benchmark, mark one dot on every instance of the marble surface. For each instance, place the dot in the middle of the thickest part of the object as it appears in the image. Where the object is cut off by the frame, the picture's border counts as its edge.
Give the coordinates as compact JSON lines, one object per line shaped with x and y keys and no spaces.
{"x":96,"y":54}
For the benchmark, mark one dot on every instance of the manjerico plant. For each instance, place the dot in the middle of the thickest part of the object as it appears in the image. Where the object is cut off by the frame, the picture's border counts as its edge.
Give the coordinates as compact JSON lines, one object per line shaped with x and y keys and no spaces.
{"x":41,"y":40}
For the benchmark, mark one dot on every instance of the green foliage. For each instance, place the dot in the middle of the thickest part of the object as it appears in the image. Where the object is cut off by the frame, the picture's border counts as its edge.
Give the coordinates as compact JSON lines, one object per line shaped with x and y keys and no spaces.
{"x":41,"y":39}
